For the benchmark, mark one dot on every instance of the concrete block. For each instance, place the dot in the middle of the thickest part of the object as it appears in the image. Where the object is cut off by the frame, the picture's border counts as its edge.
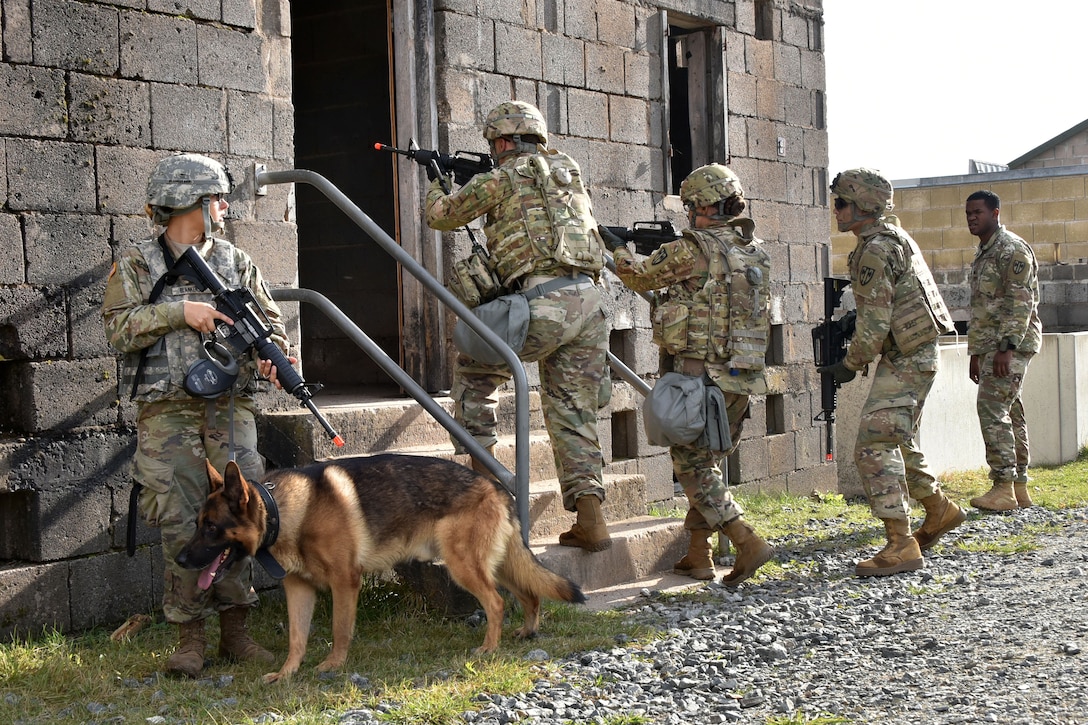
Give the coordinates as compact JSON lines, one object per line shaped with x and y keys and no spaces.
{"x":283,"y":132}
{"x":249,"y":124}
{"x":119,"y":586}
{"x":67,"y":249}
{"x":75,"y":36}
{"x":201,"y":9}
{"x":230,"y":59}
{"x":12,"y":265}
{"x":587,"y":114}
{"x":110,"y":111}
{"x":517,"y":51}
{"x":787,"y":64}
{"x":32,"y":101}
{"x":34,"y":597}
{"x":563,"y":60}
{"x":59,"y":394}
{"x":128,"y":230}
{"x":159,"y":48}
{"x":85,"y":321}
{"x":240,"y":13}
{"x":32,"y":323}
{"x":122,"y":179}
{"x":469,"y":41}
{"x":50,"y":176}
{"x":640,"y":80}
{"x":1057,"y":375}
{"x":604,"y":68}
{"x":628,"y":119}
{"x":18,"y":47}
{"x":58,"y":523}
{"x":581,"y":19}
{"x":616,"y":24}
{"x":201,"y":129}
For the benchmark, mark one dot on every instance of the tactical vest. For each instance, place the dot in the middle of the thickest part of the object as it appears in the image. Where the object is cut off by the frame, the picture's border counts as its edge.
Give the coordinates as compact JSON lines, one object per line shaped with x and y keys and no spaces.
{"x":728,"y":319}
{"x":919,"y":314}
{"x":547,"y":227}
{"x":169,"y":357}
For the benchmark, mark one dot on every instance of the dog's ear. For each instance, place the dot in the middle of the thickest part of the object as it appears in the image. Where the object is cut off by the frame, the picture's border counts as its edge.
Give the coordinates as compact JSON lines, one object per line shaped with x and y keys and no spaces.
{"x":236,"y":492}
{"x":215,"y":481}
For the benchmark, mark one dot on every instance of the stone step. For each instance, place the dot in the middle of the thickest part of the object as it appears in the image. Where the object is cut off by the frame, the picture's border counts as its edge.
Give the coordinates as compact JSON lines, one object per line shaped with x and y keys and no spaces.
{"x":641,"y":547}
{"x":625,"y":498}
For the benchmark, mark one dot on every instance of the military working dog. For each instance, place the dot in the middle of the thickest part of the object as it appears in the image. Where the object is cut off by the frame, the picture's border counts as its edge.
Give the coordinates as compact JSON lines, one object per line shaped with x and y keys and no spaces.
{"x":340,"y":519}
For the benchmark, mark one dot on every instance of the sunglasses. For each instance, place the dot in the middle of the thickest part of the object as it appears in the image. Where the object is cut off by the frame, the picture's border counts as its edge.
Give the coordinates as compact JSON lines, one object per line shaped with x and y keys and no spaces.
{"x":840,"y":203}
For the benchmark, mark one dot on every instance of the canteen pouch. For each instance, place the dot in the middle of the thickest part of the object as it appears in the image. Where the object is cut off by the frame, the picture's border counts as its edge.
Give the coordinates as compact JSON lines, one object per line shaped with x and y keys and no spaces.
{"x":675,"y":410}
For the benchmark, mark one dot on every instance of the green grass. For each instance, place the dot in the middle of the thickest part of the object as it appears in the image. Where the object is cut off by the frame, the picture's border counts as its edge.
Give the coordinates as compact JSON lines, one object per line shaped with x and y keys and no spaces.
{"x":417,"y":659}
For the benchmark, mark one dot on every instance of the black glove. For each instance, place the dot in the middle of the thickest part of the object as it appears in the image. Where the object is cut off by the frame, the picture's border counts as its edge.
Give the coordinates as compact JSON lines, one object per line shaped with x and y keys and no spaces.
{"x":610,"y":240}
{"x":839,"y":371}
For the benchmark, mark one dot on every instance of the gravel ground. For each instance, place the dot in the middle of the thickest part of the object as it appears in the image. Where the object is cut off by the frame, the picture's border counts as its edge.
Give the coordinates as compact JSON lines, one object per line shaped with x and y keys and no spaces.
{"x":972,"y":638}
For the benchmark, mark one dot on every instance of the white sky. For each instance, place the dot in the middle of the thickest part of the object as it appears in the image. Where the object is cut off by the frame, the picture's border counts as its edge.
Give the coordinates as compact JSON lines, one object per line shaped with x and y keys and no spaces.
{"x":917,"y":88}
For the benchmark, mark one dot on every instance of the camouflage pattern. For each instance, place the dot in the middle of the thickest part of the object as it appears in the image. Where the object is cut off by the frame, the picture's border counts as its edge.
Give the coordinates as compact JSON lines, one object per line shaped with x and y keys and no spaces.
{"x":173,"y":440}
{"x":1004,"y":305}
{"x":888,"y":277}
{"x":179,"y":182}
{"x":709,"y":184}
{"x":866,"y":188}
{"x":539,"y":225}
{"x":1004,"y":295}
{"x":132,"y":325}
{"x":681,"y":316}
{"x":1001,"y":416}
{"x":568,"y":337}
{"x":683,"y":269}
{"x":176,"y":432}
{"x":539,"y":218}
{"x":514,"y":118}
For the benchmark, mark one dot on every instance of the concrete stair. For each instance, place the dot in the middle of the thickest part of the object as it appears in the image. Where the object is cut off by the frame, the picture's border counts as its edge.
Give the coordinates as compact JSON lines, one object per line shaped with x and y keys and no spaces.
{"x":643,"y":547}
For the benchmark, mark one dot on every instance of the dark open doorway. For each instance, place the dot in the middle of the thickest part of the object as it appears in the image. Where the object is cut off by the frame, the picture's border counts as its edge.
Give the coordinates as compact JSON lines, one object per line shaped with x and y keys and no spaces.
{"x":341,"y":93}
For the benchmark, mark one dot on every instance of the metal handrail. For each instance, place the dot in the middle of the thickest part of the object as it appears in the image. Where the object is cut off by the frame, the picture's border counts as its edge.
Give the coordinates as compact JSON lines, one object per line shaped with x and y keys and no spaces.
{"x":520,"y":476}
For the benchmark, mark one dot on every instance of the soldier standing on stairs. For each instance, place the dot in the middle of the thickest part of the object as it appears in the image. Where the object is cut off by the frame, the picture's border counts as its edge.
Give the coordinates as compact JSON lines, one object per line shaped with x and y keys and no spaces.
{"x":160,"y":323}
{"x":542,"y":241}
{"x":716,"y":277}
{"x":1004,"y":334}
{"x":900,"y":315}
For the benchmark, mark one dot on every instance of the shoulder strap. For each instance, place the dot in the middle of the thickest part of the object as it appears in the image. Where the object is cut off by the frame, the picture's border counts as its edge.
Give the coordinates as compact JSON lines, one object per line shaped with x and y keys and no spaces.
{"x":168,"y":278}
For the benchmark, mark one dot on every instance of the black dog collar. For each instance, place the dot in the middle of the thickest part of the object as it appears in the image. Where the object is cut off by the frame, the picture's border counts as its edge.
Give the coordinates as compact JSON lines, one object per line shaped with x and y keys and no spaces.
{"x":271,"y":533}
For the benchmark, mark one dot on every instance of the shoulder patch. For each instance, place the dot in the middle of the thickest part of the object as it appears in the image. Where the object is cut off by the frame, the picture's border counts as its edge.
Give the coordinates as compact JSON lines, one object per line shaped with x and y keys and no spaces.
{"x":870,"y":273}
{"x":1019,"y":266}
{"x":660,"y":255}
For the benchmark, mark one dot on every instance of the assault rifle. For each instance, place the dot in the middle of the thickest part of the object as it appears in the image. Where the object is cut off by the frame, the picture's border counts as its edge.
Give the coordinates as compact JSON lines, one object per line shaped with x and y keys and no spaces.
{"x":829,"y":341}
{"x":463,"y":164}
{"x":251,"y":329}
{"x":647,"y":236}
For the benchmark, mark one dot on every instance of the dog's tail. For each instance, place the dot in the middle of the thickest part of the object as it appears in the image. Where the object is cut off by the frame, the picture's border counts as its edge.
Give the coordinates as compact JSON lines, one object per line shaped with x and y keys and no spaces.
{"x":522,"y":572}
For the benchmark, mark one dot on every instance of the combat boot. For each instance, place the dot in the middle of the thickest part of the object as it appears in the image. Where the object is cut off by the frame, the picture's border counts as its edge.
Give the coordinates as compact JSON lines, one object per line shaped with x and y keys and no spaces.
{"x":999,"y":498}
{"x":901,"y":554}
{"x":698,"y":563}
{"x":752,"y":551}
{"x":478,"y":465}
{"x":589,"y":531}
{"x":1023,"y":498}
{"x":942,"y":515}
{"x":188,"y":658}
{"x":234,"y":640}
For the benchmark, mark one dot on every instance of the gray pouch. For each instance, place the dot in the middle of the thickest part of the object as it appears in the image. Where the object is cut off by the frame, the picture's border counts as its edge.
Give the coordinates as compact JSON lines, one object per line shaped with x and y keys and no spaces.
{"x":675,"y":410}
{"x":506,"y":316}
{"x":716,"y":435}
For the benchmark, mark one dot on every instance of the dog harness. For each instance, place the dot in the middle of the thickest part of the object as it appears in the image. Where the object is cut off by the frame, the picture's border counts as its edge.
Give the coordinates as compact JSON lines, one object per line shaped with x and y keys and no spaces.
{"x":271,"y":532}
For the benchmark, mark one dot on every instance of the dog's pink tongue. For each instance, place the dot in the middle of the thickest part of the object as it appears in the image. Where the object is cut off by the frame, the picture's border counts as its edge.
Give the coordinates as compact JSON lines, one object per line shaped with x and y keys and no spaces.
{"x":208,"y":574}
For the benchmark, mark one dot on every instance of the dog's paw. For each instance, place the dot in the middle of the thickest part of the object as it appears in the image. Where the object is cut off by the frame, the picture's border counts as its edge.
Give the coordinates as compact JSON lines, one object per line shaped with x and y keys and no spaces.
{"x":281,"y":676}
{"x":331,"y":664}
{"x":525,"y":633}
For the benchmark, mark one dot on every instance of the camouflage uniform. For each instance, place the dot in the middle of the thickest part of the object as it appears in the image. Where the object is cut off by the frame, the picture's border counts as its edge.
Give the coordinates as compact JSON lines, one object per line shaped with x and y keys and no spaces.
{"x":568,"y":331}
{"x":900,"y":315}
{"x":1004,"y":305}
{"x":683,"y":267}
{"x":175,"y":431}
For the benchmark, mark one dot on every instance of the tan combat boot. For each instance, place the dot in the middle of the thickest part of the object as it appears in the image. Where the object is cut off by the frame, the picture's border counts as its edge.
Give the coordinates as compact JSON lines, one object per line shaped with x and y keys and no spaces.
{"x":752,"y":551}
{"x":188,"y":658}
{"x":901,"y":554}
{"x":234,"y":640}
{"x":1023,"y":498}
{"x":698,"y":563}
{"x":998,"y":498}
{"x":942,"y":515}
{"x":589,"y":531}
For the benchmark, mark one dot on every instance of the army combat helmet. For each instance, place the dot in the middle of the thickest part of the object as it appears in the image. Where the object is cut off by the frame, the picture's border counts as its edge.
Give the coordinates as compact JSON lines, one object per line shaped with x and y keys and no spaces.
{"x":523,"y":122}
{"x":866,"y":188}
{"x":714,"y":184}
{"x":183,"y":182}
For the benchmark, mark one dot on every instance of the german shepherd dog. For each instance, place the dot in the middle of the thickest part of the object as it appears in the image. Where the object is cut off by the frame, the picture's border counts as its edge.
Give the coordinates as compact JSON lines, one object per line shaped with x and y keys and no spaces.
{"x":344,"y":518}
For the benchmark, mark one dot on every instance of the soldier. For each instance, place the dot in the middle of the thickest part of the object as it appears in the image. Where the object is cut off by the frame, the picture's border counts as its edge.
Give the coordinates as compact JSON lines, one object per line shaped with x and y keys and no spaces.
{"x":1004,"y":333}
{"x":542,"y":241}
{"x":900,"y":314}
{"x":158,"y":324}
{"x":716,"y":277}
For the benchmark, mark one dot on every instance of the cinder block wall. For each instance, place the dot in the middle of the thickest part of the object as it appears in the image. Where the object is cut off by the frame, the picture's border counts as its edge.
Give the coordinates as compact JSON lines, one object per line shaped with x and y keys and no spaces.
{"x":91,"y":96}
{"x":595,"y":70}
{"x":1047,"y":207}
